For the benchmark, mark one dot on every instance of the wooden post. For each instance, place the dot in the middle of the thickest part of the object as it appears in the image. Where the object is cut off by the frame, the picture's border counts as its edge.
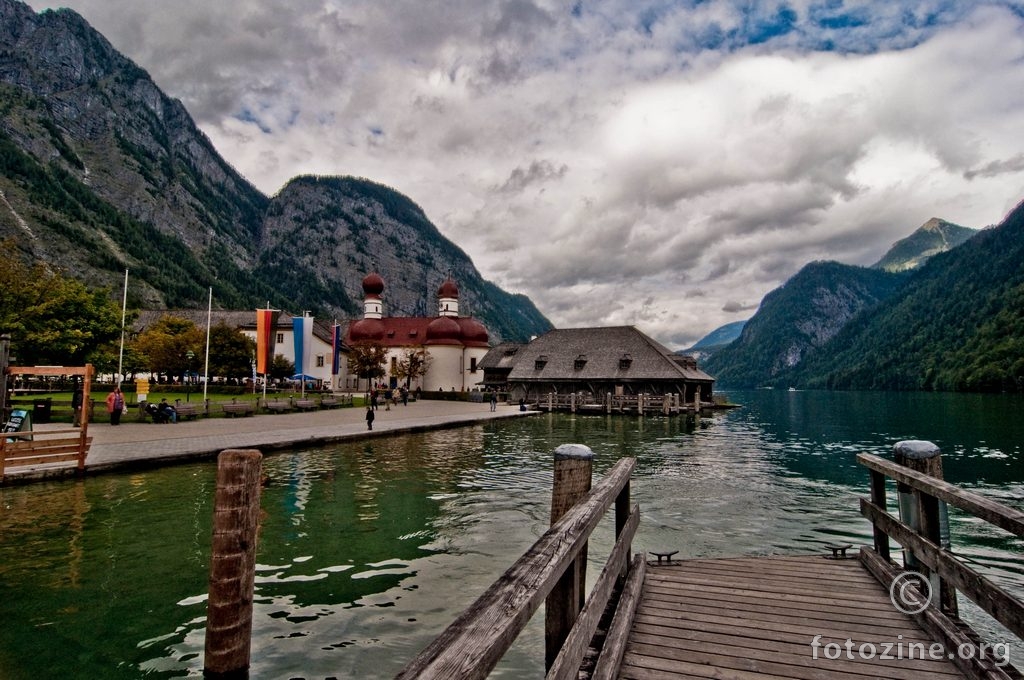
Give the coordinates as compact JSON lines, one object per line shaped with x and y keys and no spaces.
{"x":608,"y":403}
{"x":927,"y":512}
{"x":573,"y":469}
{"x":878,"y":498}
{"x":572,"y":402}
{"x":233,"y":564}
{"x":551,"y":402}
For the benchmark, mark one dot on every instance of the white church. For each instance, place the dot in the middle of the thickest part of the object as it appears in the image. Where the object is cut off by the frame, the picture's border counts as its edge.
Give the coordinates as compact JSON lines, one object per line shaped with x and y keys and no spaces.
{"x":455,"y":344}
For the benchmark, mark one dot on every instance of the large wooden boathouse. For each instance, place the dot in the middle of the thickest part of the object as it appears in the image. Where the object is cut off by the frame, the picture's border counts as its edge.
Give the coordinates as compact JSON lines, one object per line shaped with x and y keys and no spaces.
{"x":598,"y":365}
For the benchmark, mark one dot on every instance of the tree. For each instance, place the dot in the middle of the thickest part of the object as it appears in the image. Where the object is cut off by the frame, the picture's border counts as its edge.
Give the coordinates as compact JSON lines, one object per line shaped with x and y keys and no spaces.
{"x":172,"y":345}
{"x":231,"y":352}
{"x":52,"y":319}
{"x":367,"y":359}
{"x":413,"y":364}
{"x":281,"y":368}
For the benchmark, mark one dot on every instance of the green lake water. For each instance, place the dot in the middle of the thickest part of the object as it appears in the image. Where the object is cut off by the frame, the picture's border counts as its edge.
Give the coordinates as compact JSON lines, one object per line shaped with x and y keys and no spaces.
{"x":368,"y":550}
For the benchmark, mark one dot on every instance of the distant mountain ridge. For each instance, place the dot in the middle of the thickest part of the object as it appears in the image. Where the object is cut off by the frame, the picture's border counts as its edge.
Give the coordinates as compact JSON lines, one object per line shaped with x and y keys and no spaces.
{"x":101,"y":171}
{"x":933,"y":237}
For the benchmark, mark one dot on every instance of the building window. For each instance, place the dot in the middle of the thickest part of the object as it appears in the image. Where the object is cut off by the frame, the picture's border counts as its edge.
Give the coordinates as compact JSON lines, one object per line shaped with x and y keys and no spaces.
{"x":280,"y":337}
{"x":580,"y":362}
{"x":540,"y":362}
{"x":394,"y":365}
{"x":625,"y":361}
{"x":472,"y":364}
{"x":320,"y":360}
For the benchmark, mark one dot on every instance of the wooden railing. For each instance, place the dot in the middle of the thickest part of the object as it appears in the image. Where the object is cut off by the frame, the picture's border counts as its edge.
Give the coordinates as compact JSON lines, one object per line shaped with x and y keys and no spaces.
{"x":43,"y":447}
{"x":553,"y":569}
{"x":919,"y":534}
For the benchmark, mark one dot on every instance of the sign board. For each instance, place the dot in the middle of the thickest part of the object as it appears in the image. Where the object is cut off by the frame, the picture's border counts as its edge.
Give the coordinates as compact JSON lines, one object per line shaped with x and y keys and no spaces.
{"x":141,"y":390}
{"x":20,"y":421}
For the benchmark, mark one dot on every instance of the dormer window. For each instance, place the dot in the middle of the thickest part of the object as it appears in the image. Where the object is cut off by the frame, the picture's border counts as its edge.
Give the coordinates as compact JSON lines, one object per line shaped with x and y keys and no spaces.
{"x":391,"y":334}
{"x":540,"y":362}
{"x":580,"y":362}
{"x":625,"y":361}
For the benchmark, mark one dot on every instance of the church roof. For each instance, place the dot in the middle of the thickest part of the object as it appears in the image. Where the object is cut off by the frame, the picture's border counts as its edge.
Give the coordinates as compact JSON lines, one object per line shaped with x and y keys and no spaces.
{"x":407,"y":331}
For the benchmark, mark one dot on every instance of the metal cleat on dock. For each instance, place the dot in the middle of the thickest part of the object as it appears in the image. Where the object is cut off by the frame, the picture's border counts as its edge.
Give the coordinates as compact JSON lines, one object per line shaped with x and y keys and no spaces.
{"x":838,"y":551}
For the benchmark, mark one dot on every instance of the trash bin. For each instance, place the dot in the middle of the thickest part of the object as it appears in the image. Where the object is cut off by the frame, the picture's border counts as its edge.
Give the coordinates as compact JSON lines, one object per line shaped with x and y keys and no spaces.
{"x":41,"y":410}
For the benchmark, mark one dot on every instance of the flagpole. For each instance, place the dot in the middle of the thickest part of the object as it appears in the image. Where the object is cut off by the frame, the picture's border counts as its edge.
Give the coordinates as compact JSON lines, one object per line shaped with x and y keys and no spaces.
{"x":206,"y":370}
{"x":124,"y":309}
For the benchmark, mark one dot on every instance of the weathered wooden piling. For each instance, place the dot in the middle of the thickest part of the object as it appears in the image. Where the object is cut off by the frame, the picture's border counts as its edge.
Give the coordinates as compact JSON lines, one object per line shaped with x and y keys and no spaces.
{"x":925,"y":512}
{"x":233,"y":564}
{"x":572,"y":479}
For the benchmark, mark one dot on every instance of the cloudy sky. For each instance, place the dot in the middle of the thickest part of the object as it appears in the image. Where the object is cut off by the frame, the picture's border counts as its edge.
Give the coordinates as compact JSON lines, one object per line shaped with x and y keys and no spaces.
{"x":650,"y":162}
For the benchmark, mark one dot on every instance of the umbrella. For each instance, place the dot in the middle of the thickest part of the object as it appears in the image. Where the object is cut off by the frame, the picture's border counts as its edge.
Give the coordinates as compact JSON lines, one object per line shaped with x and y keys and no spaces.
{"x":303,"y":376}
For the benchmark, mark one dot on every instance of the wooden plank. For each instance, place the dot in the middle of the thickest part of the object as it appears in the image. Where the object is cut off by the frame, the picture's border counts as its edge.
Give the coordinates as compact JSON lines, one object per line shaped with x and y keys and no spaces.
{"x":574,"y":648}
{"x":936,"y":623}
{"x":471,"y":646}
{"x":726,"y":619}
{"x":991,"y":511}
{"x":1000,"y":605}
{"x":610,"y":661}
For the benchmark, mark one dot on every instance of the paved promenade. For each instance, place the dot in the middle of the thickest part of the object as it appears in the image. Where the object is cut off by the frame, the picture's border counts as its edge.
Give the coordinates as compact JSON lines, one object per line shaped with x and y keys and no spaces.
{"x":137,"y":445}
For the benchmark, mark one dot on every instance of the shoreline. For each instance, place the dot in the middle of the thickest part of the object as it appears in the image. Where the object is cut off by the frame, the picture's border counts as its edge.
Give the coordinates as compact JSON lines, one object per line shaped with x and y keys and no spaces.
{"x":139,"y":446}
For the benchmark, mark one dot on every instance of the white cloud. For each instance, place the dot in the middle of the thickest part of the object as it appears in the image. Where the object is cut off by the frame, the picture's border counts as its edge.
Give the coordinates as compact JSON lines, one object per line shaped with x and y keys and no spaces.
{"x":658,"y":163}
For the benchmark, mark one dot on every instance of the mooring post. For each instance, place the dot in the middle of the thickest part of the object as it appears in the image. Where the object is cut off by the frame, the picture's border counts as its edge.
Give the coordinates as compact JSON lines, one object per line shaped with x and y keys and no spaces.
{"x":232,"y":564}
{"x":925,"y":513}
{"x":573,"y":469}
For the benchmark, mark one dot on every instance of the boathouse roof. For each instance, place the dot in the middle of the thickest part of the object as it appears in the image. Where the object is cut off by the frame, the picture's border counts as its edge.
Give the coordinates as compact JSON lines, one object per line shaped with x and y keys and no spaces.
{"x":619,"y":353}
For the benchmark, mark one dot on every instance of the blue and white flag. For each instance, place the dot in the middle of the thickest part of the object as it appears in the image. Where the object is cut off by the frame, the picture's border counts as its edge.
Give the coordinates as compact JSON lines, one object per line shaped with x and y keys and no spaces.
{"x":302,"y":329}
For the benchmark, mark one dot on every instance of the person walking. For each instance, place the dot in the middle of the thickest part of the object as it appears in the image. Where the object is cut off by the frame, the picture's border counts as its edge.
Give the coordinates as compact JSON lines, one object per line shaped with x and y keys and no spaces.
{"x":76,"y":406}
{"x":115,"y":405}
{"x":369,"y":417}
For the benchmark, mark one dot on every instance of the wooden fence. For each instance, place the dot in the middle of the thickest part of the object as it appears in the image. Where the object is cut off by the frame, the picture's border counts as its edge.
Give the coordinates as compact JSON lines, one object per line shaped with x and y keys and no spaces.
{"x":553,"y":569}
{"x":919,"y":532}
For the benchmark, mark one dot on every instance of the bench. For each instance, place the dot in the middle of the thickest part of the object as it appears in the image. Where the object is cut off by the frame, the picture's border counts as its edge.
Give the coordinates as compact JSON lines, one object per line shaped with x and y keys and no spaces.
{"x":239,"y":408}
{"x":187,"y":411}
{"x":55,"y":446}
{"x":277,"y":406}
{"x":306,"y":404}
{"x":329,"y":402}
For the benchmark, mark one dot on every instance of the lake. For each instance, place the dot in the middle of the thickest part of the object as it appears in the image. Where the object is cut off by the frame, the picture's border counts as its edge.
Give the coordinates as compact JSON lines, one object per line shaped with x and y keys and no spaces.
{"x":368,"y":550}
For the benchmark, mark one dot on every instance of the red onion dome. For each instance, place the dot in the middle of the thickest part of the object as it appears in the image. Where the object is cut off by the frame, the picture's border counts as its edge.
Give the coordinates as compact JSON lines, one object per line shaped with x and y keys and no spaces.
{"x":366,"y":330}
{"x":373,"y":284}
{"x":448,"y":289}
{"x":444,"y":330}
{"x":473,"y":332}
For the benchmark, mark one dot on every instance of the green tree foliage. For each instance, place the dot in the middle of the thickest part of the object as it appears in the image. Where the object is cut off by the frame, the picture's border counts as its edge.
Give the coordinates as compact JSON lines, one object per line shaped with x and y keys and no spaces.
{"x":231,"y":352}
{"x":956,"y":325}
{"x":366,"y":360}
{"x":172,"y":346}
{"x":281,"y":368}
{"x":413,"y":364}
{"x":53,"y":319}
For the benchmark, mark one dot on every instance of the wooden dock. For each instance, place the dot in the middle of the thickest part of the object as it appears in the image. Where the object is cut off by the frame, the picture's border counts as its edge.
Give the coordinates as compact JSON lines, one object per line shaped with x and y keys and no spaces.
{"x":858,"y":616}
{"x":759,"y":617}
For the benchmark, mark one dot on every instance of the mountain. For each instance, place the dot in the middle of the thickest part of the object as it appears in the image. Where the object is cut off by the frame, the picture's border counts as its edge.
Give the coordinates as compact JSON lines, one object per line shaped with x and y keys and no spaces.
{"x":800,"y":316}
{"x":933,"y":237}
{"x":957,"y":324}
{"x":100,"y":172}
{"x":714,"y":341}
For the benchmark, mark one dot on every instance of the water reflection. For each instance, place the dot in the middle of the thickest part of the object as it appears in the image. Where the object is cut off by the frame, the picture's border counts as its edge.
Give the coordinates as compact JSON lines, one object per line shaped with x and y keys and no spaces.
{"x":368,"y":550}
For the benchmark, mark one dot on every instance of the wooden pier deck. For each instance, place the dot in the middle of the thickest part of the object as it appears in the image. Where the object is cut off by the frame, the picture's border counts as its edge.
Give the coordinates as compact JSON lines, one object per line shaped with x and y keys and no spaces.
{"x":857,"y":616}
{"x":757,"y":617}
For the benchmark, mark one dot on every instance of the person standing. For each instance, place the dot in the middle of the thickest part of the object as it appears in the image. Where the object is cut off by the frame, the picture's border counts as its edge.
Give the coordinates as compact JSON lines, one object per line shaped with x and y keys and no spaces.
{"x":76,"y":406}
{"x":369,"y":417}
{"x":115,"y":405}
{"x":494,"y":400}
